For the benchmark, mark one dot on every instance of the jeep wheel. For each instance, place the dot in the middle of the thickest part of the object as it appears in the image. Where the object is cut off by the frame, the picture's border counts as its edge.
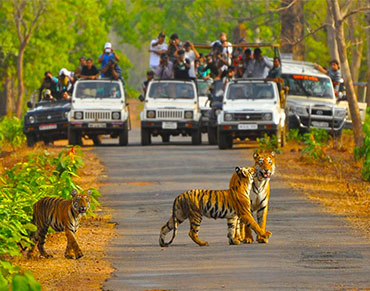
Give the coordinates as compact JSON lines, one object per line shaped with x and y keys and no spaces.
{"x":31,"y":140}
{"x":165,"y":138}
{"x":146,"y":139}
{"x":74,"y":137}
{"x":196,"y":137}
{"x":212,"y":135}
{"x":123,"y":136}
{"x":225,"y":141}
{"x":96,"y":140}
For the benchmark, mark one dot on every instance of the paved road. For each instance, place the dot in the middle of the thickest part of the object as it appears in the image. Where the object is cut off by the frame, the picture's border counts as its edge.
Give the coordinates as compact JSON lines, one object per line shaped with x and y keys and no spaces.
{"x":308,"y":250}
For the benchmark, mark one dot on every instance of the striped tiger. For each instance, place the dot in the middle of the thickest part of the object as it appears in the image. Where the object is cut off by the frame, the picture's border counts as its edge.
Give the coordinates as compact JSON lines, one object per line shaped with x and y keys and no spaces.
{"x":259,"y":196}
{"x":229,"y":204}
{"x":61,"y":215}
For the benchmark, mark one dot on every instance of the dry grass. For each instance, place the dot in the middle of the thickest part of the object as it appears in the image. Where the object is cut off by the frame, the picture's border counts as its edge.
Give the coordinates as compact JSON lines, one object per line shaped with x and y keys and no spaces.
{"x":337,"y":185}
{"x":58,"y":273}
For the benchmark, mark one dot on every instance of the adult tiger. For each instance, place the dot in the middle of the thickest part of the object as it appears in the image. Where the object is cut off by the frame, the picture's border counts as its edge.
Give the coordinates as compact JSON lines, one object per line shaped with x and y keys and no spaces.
{"x":259,"y":196}
{"x":61,"y":215}
{"x":229,"y":204}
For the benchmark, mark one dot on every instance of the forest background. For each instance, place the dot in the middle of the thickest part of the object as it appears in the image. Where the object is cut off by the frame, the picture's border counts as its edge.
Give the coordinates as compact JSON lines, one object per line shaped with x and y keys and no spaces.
{"x":46,"y":35}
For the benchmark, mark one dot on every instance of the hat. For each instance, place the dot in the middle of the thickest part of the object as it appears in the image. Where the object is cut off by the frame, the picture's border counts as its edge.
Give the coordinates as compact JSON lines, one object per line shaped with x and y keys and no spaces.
{"x":107,"y":45}
{"x":64,"y":71}
{"x":47,"y":92}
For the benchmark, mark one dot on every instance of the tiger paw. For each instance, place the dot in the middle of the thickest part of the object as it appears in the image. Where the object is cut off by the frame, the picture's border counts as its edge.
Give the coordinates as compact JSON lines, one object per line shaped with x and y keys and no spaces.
{"x":248,"y":240}
{"x":234,"y":241}
{"x":203,"y":243}
{"x":261,"y":239}
{"x":79,"y":255}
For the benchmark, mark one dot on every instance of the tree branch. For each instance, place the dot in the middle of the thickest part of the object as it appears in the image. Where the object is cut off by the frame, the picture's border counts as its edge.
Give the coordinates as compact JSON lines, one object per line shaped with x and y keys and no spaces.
{"x":361,"y":9}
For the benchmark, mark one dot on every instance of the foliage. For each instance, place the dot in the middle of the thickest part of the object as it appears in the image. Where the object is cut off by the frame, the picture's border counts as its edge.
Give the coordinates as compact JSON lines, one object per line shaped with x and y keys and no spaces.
{"x":22,"y":186}
{"x":315,"y":142}
{"x":11,"y":132}
{"x":364,"y":151}
{"x":268,"y":144}
{"x":294,"y":135}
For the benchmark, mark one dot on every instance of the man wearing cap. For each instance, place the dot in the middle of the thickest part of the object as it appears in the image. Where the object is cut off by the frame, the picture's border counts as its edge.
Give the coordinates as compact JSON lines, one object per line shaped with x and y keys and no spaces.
{"x":149,"y":78}
{"x":165,"y":69}
{"x":107,"y":53}
{"x":49,"y":82}
{"x":112,"y":70}
{"x":65,"y":81}
{"x":48,"y":96}
{"x":181,"y":66}
{"x":156,"y":49}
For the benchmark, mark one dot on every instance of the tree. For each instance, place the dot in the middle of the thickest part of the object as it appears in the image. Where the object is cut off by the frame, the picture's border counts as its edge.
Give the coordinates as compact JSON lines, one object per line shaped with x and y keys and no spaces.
{"x":351,"y":94}
{"x":368,"y":53}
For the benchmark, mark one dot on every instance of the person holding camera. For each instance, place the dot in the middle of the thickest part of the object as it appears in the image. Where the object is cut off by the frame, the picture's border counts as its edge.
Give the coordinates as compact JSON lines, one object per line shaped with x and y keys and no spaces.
{"x":108,"y":52}
{"x":165,"y":69}
{"x":261,"y":66}
{"x":112,"y":70}
{"x":173,"y":47}
{"x":227,"y":48}
{"x":156,"y":49}
{"x":191,"y":54}
{"x":181,"y":66}
{"x":49,"y":82}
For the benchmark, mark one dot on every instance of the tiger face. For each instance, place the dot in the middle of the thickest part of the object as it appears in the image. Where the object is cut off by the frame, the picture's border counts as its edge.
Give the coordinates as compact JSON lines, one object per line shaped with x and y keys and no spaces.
{"x":246,"y":173}
{"x":80,"y":202}
{"x":264,"y":164}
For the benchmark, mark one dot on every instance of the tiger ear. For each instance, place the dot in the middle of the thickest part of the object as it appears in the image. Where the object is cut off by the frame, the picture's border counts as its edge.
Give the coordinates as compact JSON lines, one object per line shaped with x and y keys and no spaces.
{"x":89,"y":192}
{"x":273,"y":154}
{"x":237,"y":170}
{"x":255,"y":155}
{"x":74,"y":192}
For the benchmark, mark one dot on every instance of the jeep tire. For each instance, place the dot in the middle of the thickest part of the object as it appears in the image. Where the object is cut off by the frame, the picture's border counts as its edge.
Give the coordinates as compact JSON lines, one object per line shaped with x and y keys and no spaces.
{"x":123,"y":136}
{"x":96,"y":140}
{"x":146,"y":138}
{"x":165,"y":137}
{"x":196,"y":137}
{"x":74,"y":137}
{"x":225,"y":141}
{"x":31,"y":140}
{"x":212,"y":135}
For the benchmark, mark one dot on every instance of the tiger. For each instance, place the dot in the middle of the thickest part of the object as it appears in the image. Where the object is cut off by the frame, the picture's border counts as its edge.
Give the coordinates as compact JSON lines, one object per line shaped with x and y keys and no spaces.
{"x":259,"y":196}
{"x":61,"y":215}
{"x":229,"y":204}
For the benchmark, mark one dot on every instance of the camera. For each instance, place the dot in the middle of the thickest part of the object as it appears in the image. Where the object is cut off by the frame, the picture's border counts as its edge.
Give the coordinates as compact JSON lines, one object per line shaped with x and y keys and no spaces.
{"x":108,"y":50}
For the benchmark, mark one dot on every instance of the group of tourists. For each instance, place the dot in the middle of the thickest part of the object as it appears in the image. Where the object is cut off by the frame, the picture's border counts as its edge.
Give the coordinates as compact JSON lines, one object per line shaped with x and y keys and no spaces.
{"x":60,"y":87}
{"x":177,"y":60}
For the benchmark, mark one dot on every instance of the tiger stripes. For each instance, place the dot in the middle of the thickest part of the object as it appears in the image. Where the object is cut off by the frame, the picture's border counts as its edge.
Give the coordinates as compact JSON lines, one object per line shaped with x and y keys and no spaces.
{"x":259,"y":196}
{"x":229,"y":204}
{"x":61,"y":215}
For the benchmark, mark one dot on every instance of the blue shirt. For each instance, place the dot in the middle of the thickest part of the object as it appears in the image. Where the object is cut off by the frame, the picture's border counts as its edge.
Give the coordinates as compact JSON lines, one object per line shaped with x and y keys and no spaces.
{"x":105,"y":60}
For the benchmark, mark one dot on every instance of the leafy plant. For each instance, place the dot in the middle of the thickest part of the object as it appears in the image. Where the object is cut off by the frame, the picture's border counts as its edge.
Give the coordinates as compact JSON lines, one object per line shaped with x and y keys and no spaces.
{"x":11,"y":132}
{"x":268,"y":144}
{"x":294,"y":135}
{"x":364,"y":151}
{"x":315,"y":142}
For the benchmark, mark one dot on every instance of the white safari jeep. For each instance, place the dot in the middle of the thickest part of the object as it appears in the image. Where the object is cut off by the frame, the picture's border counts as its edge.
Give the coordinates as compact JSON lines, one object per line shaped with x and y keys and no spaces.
{"x":311,"y":101}
{"x":250,"y":109}
{"x":98,"y":107}
{"x":171,"y":108}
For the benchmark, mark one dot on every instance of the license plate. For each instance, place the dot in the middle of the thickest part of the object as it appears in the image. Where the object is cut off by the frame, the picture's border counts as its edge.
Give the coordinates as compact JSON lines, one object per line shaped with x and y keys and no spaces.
{"x":320,"y":124}
{"x":97,"y":125}
{"x":169,"y":125}
{"x":247,"y":126}
{"x":47,"y":126}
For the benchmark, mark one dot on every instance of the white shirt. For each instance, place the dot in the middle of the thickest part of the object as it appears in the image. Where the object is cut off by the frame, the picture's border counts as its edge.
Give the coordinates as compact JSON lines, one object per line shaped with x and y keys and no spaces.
{"x":191,"y":56}
{"x":153,"y":57}
{"x":227,"y":49}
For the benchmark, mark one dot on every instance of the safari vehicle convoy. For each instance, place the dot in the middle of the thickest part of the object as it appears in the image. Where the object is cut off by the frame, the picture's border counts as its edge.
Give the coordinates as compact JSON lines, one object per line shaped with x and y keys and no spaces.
{"x":46,"y":121}
{"x":311,"y":100}
{"x":251,"y":108}
{"x":98,"y":108}
{"x":171,"y":107}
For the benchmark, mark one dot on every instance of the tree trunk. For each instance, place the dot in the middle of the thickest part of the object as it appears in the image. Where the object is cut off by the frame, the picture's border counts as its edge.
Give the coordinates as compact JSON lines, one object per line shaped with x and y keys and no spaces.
{"x":239,"y":32}
{"x":356,"y":48}
{"x":19,"y":105}
{"x":350,"y":90}
{"x":367,"y":18}
{"x":330,"y":36}
{"x":292,"y":29}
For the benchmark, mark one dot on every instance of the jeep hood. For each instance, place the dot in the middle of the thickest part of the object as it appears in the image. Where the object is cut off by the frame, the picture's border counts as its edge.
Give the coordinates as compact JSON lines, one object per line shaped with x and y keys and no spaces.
{"x":307,"y":101}
{"x":98,"y":104}
{"x":170,"y":104}
{"x":242,"y":105}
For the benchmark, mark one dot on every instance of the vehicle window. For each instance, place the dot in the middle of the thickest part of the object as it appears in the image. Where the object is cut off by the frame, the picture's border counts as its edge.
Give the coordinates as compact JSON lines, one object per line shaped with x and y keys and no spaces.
{"x":171,"y":90}
{"x":98,"y":90}
{"x":309,"y":86}
{"x":250,"y":91}
{"x":203,"y":88}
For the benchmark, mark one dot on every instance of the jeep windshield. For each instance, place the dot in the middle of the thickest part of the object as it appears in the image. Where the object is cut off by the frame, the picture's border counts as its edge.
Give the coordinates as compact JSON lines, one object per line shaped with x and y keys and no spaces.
{"x":171,"y":90}
{"x":309,"y":86}
{"x":97,"y":90}
{"x":250,"y":91}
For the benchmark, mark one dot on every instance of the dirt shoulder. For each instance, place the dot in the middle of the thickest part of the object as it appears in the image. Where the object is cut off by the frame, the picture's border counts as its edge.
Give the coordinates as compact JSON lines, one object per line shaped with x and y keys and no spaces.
{"x":337,"y":185}
{"x":93,"y":236}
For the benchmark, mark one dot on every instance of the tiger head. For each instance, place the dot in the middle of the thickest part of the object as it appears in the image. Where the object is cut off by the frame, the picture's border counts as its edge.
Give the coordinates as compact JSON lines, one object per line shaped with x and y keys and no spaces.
{"x":80,"y":202}
{"x":245,"y":173}
{"x":264,"y":164}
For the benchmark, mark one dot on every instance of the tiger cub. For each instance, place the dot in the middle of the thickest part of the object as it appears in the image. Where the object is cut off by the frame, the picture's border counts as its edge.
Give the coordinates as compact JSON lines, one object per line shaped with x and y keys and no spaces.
{"x":264,"y":164}
{"x":61,"y":215}
{"x":229,"y":204}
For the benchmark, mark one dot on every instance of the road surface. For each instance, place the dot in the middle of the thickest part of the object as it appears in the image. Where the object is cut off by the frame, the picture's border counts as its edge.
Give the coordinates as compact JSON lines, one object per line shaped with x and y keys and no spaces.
{"x":308,"y":250}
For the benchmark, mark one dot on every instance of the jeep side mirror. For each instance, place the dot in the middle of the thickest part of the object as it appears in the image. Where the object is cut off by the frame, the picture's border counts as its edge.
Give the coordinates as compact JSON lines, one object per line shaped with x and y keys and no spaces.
{"x":141,"y":98}
{"x":29,"y":104}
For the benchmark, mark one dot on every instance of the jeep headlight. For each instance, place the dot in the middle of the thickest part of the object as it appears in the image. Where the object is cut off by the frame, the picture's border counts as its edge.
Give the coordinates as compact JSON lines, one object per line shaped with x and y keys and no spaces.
{"x":66,"y":115}
{"x":188,"y":114}
{"x":150,"y":114}
{"x":228,"y":117}
{"x":78,"y":115}
{"x":267,"y":116}
{"x":116,"y":115}
{"x":31,"y":119}
{"x":340,"y":113}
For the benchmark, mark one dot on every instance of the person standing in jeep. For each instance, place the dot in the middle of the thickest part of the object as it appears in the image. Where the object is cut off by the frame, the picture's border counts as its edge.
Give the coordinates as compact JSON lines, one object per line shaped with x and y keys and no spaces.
{"x":181,"y":66}
{"x":112,"y":70}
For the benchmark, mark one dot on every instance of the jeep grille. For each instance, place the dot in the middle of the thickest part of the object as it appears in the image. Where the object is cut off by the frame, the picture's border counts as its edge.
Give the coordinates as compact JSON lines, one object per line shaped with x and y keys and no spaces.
{"x":248,"y":116}
{"x":97,"y":115}
{"x":170,"y":114}
{"x":50,"y":117}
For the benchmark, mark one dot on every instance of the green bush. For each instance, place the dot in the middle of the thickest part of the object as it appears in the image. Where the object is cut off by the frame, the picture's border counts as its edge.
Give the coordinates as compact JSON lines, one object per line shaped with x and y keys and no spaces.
{"x":22,"y":186}
{"x":268,"y":144}
{"x":315,"y":141}
{"x":364,"y":151}
{"x":294,"y":135}
{"x":11,"y":132}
